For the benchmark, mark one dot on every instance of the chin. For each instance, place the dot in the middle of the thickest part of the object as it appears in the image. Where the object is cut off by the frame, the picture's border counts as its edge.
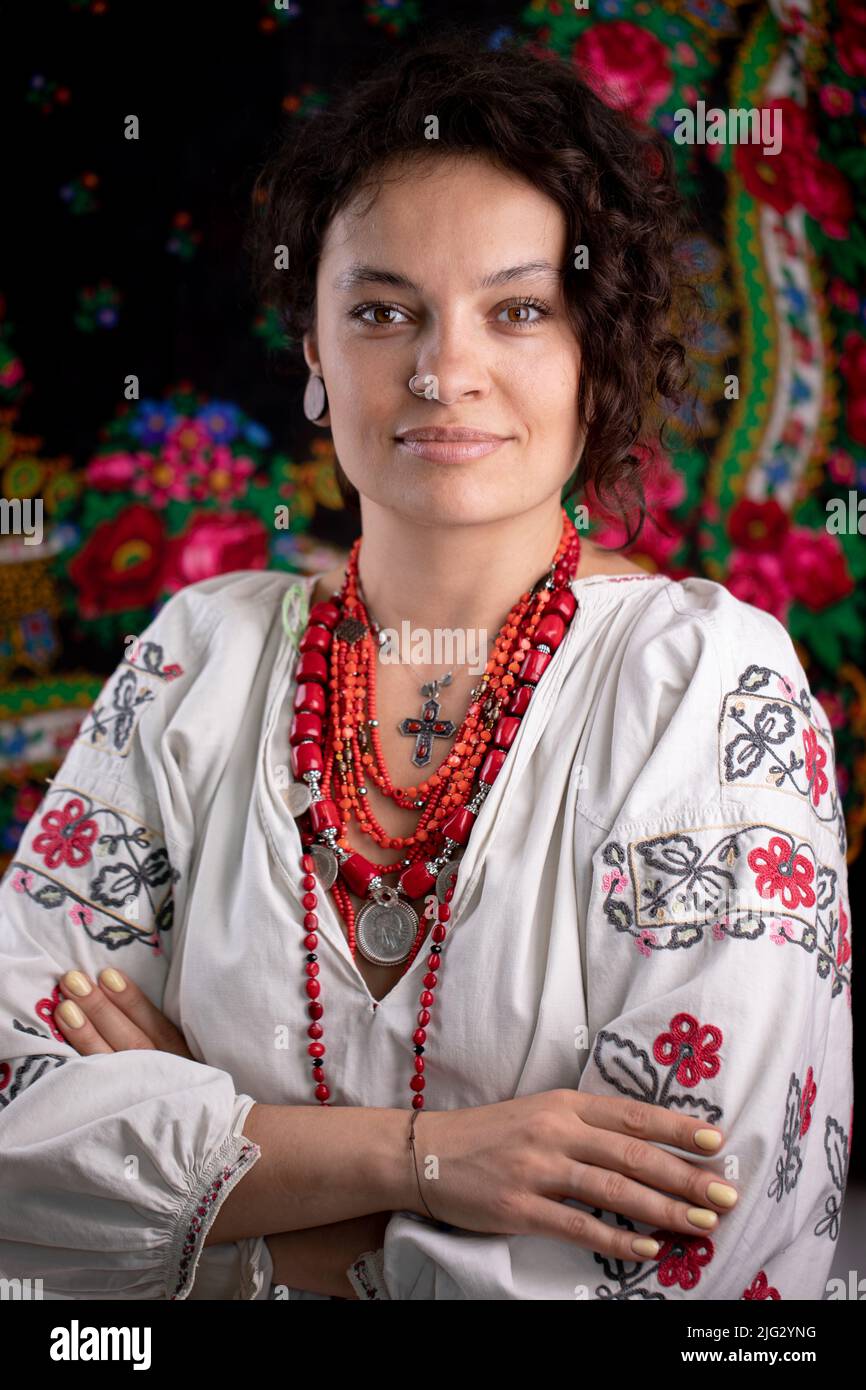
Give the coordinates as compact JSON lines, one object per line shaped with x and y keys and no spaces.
{"x":452,"y":505}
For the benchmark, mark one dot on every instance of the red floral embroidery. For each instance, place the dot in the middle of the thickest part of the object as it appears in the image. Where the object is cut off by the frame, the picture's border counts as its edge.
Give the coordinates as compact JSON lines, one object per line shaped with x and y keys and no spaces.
{"x":681,"y":1259}
{"x":692,"y":1046}
{"x":816,"y":758}
{"x":5,"y":1075}
{"x":843,"y":945}
{"x":759,"y":1288}
{"x":779,"y":870}
{"x":810,"y":1091}
{"x":45,"y":1010}
{"x":66,"y":838}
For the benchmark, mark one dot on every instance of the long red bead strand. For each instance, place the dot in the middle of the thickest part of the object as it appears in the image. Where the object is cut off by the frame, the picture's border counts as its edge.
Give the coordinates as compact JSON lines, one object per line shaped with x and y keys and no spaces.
{"x":336,"y":682}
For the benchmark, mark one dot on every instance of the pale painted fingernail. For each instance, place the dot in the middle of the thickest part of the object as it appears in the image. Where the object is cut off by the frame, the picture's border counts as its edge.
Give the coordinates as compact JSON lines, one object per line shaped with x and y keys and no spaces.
{"x":71,"y":1014}
{"x":708,"y":1138}
{"x":113,"y":980}
{"x":701,"y":1216}
{"x":646,"y":1247}
{"x":721,"y":1194}
{"x":78,"y":983}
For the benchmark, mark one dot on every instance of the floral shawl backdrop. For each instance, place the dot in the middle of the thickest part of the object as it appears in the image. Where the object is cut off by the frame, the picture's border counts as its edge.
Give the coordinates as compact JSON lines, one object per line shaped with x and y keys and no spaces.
{"x":125,"y":258}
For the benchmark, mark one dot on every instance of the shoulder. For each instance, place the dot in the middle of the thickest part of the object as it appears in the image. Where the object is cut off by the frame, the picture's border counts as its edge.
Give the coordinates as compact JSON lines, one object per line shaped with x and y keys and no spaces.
{"x":712,"y":707}
{"x":712,"y":776}
{"x":212,"y":637}
{"x":237,"y":592}
{"x":695,"y":628}
{"x":210,"y":618}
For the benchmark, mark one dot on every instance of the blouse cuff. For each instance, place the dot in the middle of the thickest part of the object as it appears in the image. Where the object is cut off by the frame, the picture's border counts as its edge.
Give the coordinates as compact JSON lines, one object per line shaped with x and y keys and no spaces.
{"x":231,"y":1162}
{"x":257,"y":1268}
{"x":367,"y":1275}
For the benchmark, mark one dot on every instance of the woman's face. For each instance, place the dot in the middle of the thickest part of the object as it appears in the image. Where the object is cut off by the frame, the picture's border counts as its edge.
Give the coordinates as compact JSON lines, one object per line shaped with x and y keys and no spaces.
{"x":424,"y":249}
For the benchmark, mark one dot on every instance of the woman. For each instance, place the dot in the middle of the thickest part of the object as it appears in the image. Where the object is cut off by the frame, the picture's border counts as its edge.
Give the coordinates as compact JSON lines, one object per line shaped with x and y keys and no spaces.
{"x":600,"y":992}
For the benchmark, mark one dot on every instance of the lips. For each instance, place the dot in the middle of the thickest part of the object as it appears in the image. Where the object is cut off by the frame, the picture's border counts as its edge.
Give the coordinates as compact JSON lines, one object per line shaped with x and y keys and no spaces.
{"x":450,"y":444}
{"x":450,"y":434}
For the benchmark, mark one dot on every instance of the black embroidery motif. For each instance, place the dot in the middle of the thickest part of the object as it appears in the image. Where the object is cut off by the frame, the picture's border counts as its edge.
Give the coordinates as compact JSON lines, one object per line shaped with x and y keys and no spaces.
{"x":687,"y":1053}
{"x":110,"y":723}
{"x":668,"y":891}
{"x":774,"y":741}
{"x":104,"y":900}
{"x":19,"y":1073}
{"x":630,"y":1070}
{"x":680,"y":1262}
{"x":798,"y":1118}
{"x":836,"y":1150}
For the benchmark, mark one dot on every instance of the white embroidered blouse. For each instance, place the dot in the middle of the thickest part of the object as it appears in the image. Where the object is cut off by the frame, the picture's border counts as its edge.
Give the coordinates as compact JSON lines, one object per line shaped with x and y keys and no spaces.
{"x":653,"y":903}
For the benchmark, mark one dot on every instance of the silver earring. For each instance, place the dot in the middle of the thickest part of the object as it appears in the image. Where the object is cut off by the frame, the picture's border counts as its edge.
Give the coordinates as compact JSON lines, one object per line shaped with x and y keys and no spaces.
{"x":315,"y":398}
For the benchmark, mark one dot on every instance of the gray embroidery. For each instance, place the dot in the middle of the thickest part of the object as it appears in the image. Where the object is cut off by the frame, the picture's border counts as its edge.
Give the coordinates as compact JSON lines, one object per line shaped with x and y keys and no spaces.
{"x":110,"y":881}
{"x":112,"y":720}
{"x":773,"y":741}
{"x":669,"y":891}
{"x":836,"y":1150}
{"x":20,"y":1072}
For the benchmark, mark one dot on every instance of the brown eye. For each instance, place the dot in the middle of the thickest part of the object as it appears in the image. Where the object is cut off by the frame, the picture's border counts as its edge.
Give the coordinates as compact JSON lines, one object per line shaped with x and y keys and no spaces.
{"x":522,"y":308}
{"x":363,"y":310}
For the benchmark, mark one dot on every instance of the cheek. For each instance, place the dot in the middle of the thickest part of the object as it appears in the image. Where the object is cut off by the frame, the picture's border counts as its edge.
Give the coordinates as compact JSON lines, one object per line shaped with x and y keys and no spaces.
{"x":548,"y":380}
{"x":369,"y":389}
{"x":550,"y":401}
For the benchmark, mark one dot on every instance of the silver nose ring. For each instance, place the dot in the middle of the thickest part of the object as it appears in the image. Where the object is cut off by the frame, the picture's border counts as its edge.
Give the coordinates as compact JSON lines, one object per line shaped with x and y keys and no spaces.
{"x":423,"y":391}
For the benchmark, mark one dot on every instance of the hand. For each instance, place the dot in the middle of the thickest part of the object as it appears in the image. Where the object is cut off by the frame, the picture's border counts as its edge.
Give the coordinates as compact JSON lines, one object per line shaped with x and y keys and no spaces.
{"x":316,"y":1259}
{"x":507,"y":1168}
{"x":115,"y":1020}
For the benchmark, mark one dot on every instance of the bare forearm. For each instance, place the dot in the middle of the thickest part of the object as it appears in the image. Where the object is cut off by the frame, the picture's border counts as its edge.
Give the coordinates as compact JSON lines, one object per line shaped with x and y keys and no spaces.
{"x":317,"y":1259}
{"x":319,"y":1165}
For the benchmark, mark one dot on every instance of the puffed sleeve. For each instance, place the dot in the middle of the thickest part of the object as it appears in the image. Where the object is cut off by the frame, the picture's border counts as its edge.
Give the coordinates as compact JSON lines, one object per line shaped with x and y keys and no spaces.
{"x":112,"y":1167}
{"x":717,"y":951}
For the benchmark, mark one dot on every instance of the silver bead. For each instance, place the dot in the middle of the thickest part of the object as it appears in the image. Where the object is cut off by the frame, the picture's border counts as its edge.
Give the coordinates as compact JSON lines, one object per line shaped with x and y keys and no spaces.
{"x":362,"y":791}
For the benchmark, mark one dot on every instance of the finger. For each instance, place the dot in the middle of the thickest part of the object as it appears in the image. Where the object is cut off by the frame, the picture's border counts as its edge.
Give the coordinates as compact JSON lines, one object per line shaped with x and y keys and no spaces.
{"x":644,"y":1121}
{"x":113,"y":1027}
{"x":651,"y":1168}
{"x":546,"y":1218}
{"x":126,"y":996}
{"x":615,"y":1192}
{"x":78,"y":1030}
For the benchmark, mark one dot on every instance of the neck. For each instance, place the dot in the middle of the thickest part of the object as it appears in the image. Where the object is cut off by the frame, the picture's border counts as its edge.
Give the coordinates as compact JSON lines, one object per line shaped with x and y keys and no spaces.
{"x":453,"y":577}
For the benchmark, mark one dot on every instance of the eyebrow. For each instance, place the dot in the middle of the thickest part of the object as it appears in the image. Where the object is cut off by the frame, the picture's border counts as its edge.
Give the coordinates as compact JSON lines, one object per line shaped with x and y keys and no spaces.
{"x":359,"y":274}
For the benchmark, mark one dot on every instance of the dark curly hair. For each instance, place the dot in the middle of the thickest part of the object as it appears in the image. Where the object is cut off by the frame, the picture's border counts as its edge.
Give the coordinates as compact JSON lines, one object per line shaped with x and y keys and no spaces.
{"x":528,"y":113}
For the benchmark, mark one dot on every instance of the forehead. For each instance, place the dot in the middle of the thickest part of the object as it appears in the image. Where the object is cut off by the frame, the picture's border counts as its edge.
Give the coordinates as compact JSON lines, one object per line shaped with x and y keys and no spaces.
{"x":431,"y":213}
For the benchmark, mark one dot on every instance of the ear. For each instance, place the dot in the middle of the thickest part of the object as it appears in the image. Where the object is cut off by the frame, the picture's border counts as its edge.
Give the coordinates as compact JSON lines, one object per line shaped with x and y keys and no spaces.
{"x":311,"y":357}
{"x":311,"y":353}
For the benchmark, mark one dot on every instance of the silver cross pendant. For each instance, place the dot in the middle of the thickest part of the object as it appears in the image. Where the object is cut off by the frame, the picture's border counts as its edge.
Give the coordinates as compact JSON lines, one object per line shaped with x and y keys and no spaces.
{"x":429,"y":725}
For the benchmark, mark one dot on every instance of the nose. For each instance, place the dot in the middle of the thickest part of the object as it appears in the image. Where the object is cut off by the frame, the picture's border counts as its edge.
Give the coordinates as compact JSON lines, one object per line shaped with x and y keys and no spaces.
{"x":448,"y":368}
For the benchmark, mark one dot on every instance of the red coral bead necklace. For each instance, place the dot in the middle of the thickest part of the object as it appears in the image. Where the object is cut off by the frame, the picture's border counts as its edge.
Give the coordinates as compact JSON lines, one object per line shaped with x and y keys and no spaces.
{"x":335,"y":751}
